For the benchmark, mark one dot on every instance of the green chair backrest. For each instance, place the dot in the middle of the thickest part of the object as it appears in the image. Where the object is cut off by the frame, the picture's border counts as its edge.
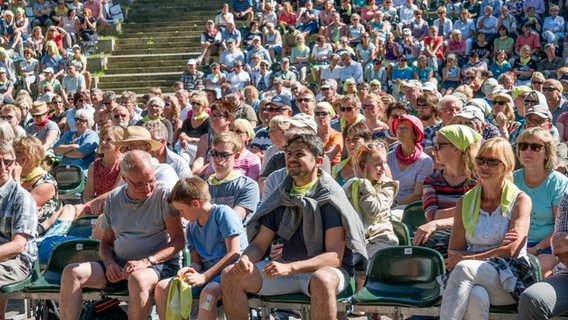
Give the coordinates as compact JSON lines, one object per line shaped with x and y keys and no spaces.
{"x":535,"y":267}
{"x":77,"y":250}
{"x":404,"y":266}
{"x":402,"y":233}
{"x":70,"y":179}
{"x":413,"y":215}
{"x":82,"y":226}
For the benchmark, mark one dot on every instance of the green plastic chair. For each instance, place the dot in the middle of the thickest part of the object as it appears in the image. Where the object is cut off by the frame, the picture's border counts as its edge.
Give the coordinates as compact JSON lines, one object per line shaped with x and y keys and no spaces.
{"x":70,"y":182}
{"x":82,"y":227}
{"x":402,"y":276}
{"x":77,"y":250}
{"x":413,"y":216}
{"x":20,"y":285}
{"x":402,"y":233}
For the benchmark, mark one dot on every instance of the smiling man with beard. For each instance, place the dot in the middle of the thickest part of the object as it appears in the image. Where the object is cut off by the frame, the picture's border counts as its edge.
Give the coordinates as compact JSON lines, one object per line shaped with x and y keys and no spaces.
{"x":318,"y":230}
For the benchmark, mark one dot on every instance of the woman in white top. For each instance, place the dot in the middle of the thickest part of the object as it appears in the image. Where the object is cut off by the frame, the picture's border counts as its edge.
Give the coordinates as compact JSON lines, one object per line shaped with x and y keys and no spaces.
{"x":481,"y":250}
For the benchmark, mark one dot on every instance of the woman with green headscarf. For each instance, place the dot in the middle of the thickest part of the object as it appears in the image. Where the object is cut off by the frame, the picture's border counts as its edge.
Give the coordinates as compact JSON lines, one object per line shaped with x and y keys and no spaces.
{"x":455,"y":147}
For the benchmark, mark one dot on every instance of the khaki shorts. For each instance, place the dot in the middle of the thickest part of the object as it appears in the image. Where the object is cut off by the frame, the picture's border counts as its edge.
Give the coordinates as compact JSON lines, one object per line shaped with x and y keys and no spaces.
{"x":13,"y":270}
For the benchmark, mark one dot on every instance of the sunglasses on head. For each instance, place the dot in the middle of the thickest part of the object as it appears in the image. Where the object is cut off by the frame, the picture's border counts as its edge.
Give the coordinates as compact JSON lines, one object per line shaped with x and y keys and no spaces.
{"x":536,"y":147}
{"x":370,"y":147}
{"x":487,"y":161}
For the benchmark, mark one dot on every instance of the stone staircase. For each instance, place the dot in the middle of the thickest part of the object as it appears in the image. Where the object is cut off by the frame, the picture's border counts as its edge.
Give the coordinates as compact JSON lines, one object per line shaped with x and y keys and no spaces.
{"x":157,"y":39}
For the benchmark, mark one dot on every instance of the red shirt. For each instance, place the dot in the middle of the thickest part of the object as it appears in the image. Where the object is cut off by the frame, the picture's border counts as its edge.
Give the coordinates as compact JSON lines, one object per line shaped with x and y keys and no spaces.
{"x":433,"y":43}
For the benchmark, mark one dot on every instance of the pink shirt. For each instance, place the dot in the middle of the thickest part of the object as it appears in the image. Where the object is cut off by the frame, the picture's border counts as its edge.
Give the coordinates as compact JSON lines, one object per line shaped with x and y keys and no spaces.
{"x":96,"y":7}
{"x":563,"y":119}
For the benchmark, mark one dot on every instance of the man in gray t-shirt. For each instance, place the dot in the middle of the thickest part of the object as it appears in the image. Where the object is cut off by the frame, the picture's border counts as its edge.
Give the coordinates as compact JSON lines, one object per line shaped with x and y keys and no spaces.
{"x":142,"y":237}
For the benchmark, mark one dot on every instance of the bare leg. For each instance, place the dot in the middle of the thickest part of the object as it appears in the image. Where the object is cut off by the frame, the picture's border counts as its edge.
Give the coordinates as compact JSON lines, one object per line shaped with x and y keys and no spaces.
{"x":3,"y":304}
{"x":323,"y":285}
{"x":75,"y":277}
{"x":140,"y":283}
{"x":208,"y":309}
{"x":161,"y":297}
{"x":234,"y":290}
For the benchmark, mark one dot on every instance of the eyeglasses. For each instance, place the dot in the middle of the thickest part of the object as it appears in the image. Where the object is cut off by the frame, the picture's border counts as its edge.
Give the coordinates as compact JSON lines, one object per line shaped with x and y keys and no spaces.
{"x":549,"y":89}
{"x":533,"y":102}
{"x":370,"y":147}
{"x":422,"y":106}
{"x":439,"y":145}
{"x":221,"y":155}
{"x":7,"y":162}
{"x":368,"y":106}
{"x":536,"y":147}
{"x":218,"y":116}
{"x":116,"y":116}
{"x":275,"y":110}
{"x":537,"y":82}
{"x":487,"y":162}
{"x":321,"y":113}
{"x":348,"y":109}
{"x":500,"y":102}
{"x":304,"y":100}
{"x":80,"y":120}
{"x":141,"y":185}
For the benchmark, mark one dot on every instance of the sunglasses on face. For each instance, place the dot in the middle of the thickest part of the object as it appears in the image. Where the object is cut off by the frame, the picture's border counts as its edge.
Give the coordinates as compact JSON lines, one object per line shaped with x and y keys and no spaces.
{"x":218,"y":116}
{"x":6,"y":117}
{"x":487,"y":161}
{"x":7,"y":162}
{"x":536,"y":147}
{"x":348,"y":109}
{"x":220,"y":155}
{"x":116,"y":116}
{"x":368,"y":106}
{"x":500,"y":102}
{"x":321,"y":113}
{"x":548,"y":89}
{"x":80,"y":120}
{"x":275,"y":110}
{"x":303,"y":100}
{"x":531,"y":102}
{"x":469,"y":78}
{"x":439,"y":145}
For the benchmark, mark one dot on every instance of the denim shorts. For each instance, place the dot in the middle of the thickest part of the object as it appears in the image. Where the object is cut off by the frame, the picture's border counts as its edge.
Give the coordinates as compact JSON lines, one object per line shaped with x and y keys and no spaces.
{"x":163,"y":270}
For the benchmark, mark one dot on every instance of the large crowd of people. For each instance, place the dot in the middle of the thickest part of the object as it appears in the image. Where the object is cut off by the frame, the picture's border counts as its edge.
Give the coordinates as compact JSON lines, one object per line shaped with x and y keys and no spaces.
{"x":287,"y":148}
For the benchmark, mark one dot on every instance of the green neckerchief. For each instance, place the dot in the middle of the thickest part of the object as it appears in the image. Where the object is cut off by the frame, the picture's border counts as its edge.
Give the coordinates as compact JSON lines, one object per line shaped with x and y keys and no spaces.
{"x":471,"y":204}
{"x":179,"y":300}
{"x":147,"y":118}
{"x":201,"y":116}
{"x":343,"y":122}
{"x":300,"y":191}
{"x":335,"y":170}
{"x":524,"y":61}
{"x":232,"y":176}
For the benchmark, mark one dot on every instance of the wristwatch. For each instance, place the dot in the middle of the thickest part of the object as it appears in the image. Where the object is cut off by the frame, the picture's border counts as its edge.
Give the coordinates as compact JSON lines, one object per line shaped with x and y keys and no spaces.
{"x":538,"y":250}
{"x":152,"y":260}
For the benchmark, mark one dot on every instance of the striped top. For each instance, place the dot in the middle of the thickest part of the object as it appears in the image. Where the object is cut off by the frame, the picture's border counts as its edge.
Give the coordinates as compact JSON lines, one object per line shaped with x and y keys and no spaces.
{"x":439,"y":194}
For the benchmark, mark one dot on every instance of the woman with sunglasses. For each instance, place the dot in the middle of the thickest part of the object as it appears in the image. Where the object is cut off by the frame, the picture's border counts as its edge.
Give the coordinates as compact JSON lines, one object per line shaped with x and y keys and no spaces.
{"x":194,"y":127}
{"x":481,"y":244}
{"x":354,"y":136}
{"x":456,"y":147}
{"x":58,"y":113}
{"x":78,"y":147}
{"x":331,"y":138}
{"x":222,"y":114}
{"x":536,"y":150}
{"x":408,"y":163}
{"x":172,"y":113}
{"x":503,"y":115}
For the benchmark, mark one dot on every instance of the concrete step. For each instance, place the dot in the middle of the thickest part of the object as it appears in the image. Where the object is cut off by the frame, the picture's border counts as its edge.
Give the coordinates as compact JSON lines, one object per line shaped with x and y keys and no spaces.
{"x":155,"y":50}
{"x":158,"y":32}
{"x":171,"y":41}
{"x":169,"y":67}
{"x":153,"y":57}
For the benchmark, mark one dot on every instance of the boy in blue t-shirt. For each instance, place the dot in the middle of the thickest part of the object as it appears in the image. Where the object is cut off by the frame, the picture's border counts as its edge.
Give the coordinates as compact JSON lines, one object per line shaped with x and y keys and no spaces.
{"x":215,"y":237}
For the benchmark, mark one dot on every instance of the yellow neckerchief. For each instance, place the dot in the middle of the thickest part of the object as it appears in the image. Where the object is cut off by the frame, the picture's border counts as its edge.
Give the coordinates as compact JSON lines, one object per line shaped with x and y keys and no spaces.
{"x":300,"y":191}
{"x":34,"y":174}
{"x":301,"y":48}
{"x":232,"y":176}
{"x":471,"y":204}
{"x":147,"y":118}
{"x":201,"y":116}
{"x":524,"y":61}
{"x":500,"y":64}
{"x":343,"y":122}
{"x":335,"y":170}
